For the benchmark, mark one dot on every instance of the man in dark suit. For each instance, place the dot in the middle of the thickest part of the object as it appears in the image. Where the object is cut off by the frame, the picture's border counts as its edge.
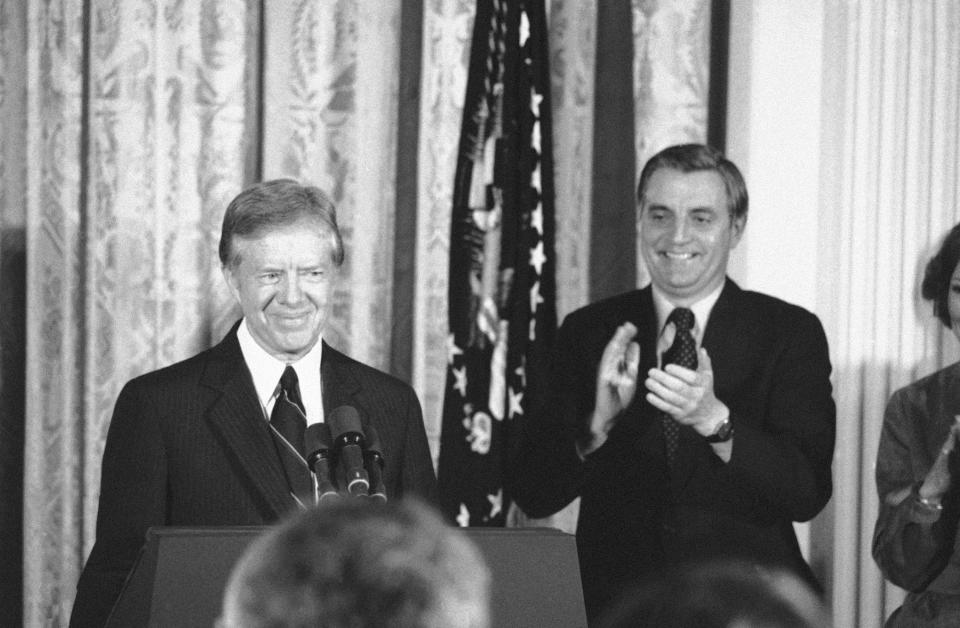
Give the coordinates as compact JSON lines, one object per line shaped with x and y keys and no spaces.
{"x":728,"y":440}
{"x":199,"y":443}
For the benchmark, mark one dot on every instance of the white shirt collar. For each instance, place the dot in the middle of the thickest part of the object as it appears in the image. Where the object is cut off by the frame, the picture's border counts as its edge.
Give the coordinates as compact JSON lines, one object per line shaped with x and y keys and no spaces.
{"x":701,"y":310}
{"x":266,"y":371}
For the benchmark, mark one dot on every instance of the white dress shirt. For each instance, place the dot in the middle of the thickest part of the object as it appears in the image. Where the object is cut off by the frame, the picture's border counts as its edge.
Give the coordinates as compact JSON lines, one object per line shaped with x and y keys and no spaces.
{"x":701,"y":312}
{"x":266,"y":371}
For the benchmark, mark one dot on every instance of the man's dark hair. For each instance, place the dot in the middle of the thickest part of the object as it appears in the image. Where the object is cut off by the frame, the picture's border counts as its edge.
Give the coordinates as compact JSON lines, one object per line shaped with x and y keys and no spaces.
{"x":936,"y":277}
{"x":695,"y":158}
{"x":276,"y":204}
{"x":360,"y":562}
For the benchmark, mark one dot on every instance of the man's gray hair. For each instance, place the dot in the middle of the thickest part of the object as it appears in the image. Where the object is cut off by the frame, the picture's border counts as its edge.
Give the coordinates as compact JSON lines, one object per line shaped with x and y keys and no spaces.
{"x":276,"y":204}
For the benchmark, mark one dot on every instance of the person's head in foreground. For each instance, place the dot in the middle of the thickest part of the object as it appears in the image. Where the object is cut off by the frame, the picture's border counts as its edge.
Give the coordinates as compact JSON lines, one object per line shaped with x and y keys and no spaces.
{"x":719,"y":595}
{"x":357,"y":563}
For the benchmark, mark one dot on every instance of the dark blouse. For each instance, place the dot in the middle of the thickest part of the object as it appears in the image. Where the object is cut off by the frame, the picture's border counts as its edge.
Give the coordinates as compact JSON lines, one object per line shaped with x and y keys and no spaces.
{"x":916,"y":545}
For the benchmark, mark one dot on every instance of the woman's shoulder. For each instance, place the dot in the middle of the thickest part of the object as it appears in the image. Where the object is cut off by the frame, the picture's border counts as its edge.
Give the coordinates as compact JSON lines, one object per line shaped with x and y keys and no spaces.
{"x":934,"y":384}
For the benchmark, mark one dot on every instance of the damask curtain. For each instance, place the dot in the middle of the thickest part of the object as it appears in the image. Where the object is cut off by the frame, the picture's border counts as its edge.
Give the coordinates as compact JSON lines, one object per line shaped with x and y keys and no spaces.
{"x":128,"y":126}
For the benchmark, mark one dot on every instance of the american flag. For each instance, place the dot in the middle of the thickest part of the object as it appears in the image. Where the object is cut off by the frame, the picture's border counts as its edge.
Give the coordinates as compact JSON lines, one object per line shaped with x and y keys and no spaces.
{"x":502,"y":306}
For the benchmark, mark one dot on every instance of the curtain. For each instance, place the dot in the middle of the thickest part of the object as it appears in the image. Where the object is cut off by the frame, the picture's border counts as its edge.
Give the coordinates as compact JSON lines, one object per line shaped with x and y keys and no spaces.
{"x":891,"y":190}
{"x":137,"y":125}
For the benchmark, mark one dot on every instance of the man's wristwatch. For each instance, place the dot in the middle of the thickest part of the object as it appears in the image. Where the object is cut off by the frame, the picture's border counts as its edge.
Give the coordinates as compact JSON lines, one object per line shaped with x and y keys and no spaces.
{"x":723,"y":433}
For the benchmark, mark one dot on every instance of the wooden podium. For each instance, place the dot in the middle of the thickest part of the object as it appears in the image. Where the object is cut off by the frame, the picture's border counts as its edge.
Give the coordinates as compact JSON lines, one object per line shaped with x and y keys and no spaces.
{"x":181,"y":574}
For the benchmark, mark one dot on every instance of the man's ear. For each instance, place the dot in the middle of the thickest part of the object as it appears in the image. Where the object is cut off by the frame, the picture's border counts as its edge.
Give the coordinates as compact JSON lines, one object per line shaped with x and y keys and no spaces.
{"x":737,"y":224}
{"x":233,"y":283}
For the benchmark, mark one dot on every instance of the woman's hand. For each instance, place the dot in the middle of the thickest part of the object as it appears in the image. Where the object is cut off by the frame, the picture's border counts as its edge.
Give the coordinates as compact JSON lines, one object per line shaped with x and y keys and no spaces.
{"x":938,"y":479}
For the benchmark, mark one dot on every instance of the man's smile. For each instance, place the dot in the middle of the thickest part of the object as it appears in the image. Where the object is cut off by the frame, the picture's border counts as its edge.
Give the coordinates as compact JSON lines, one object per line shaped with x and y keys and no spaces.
{"x":678,"y":256}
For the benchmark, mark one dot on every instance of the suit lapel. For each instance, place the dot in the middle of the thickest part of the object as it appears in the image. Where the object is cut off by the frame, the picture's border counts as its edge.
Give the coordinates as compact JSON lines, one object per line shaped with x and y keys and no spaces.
{"x":237,"y":417}
{"x":339,"y":386}
{"x":728,"y":336}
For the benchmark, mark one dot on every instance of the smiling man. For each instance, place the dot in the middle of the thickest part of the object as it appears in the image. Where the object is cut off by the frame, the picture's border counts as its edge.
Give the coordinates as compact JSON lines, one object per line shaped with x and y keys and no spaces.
{"x":694,"y":419}
{"x":218,"y":439}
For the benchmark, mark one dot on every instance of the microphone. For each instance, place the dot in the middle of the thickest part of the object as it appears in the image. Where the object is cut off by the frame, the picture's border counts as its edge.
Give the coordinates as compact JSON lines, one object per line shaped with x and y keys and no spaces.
{"x":348,"y":441}
{"x":373,"y":457}
{"x":318,"y":445}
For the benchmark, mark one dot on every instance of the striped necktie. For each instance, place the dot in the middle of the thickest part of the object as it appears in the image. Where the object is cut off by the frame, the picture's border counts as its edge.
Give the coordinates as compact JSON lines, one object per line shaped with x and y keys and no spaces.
{"x":288,"y":424}
{"x":683,"y":352}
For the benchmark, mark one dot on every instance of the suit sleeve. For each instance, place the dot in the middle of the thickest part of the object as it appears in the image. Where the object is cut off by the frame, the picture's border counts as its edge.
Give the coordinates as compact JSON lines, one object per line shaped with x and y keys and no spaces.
{"x":132,"y":498}
{"x":911,"y":543}
{"x":547,"y":473}
{"x":418,"y":477}
{"x":784,"y":458}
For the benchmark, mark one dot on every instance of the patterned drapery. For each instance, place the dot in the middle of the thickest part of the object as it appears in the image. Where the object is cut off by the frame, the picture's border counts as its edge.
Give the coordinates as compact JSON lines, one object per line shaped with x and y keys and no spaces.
{"x":137,"y":131}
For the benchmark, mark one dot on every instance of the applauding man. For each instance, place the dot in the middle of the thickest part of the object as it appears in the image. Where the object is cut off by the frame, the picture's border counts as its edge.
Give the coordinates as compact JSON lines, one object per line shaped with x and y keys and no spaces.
{"x":693,"y":418}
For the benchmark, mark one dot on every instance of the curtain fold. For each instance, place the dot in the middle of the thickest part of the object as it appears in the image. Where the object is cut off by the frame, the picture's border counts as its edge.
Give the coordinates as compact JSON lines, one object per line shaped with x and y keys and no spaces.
{"x":447,"y":25}
{"x":55,"y":488}
{"x":13,"y":159}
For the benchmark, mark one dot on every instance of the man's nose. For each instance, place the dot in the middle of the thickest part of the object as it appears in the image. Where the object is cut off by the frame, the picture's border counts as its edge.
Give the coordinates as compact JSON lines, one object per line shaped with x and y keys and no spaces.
{"x":290,"y":291}
{"x":680,"y":231}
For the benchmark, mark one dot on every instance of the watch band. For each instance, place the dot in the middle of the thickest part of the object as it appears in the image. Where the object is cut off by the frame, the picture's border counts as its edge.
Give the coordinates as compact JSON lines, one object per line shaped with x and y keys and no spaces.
{"x":723,"y":433}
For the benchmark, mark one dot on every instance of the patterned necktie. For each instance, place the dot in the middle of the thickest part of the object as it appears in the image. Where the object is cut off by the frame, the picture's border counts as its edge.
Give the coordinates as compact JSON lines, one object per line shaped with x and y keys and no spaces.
{"x":289,"y":424}
{"x":683,"y":352}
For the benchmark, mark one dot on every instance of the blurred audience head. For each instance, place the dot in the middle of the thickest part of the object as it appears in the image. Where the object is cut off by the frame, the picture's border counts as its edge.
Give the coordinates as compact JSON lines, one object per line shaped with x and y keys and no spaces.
{"x":356,"y":563}
{"x":939,"y":274}
{"x":719,"y":595}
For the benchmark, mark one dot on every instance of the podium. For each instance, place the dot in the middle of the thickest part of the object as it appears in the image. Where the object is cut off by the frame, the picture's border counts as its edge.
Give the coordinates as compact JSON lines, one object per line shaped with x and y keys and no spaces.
{"x":181,"y":574}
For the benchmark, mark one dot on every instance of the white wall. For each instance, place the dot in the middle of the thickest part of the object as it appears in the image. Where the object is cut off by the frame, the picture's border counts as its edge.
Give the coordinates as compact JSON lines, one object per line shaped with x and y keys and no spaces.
{"x":773,"y":134}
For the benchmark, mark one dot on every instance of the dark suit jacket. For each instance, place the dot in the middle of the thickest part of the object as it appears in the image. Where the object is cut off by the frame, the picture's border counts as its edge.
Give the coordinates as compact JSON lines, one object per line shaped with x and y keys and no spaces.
{"x":188,"y":445}
{"x":771,"y":368}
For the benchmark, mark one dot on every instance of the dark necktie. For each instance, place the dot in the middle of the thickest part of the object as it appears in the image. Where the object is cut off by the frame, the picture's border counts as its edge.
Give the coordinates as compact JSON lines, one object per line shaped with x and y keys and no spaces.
{"x":683,"y":352}
{"x":289,"y":424}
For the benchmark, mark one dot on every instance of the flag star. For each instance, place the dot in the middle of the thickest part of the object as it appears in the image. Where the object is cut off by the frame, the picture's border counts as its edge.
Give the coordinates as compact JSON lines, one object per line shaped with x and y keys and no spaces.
{"x":533,"y":329}
{"x":524,"y":28}
{"x":535,"y":300}
{"x":535,"y":138}
{"x":536,"y":218}
{"x":537,"y":257}
{"x":521,"y":371}
{"x":516,"y":399}
{"x":463,"y":519}
{"x":535,"y":101}
{"x":452,"y":349}
{"x":535,"y":178}
{"x":496,"y":503}
{"x":460,"y":385}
